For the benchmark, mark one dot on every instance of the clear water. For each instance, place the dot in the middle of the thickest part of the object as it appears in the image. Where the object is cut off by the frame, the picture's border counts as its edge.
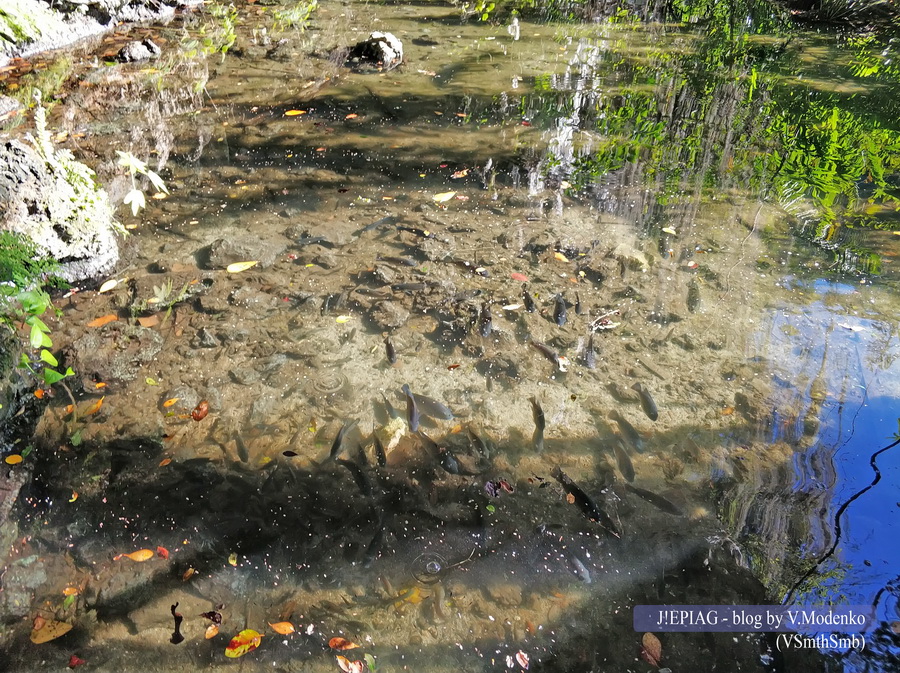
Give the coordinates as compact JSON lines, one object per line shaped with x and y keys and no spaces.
{"x":709,"y":277}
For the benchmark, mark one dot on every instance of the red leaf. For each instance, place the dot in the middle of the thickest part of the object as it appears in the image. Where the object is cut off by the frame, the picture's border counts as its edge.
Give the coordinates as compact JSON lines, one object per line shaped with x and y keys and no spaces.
{"x":75,"y":661}
{"x":519,"y":277}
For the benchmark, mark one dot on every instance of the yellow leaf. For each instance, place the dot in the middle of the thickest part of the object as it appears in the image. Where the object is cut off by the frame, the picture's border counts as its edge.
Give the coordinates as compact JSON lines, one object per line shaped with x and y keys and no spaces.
{"x":14,"y":459}
{"x":294,"y":113}
{"x":342,"y":319}
{"x":95,"y":407}
{"x":443,"y":196}
{"x":237,"y":267}
{"x":669,"y":230}
{"x":74,"y":496}
{"x":50,"y":630}
{"x":108,"y":285}
{"x":169,"y":402}
{"x":70,"y":591}
{"x":246,"y":641}
{"x":561,"y":257}
{"x":232,"y":559}
{"x":284,"y":628}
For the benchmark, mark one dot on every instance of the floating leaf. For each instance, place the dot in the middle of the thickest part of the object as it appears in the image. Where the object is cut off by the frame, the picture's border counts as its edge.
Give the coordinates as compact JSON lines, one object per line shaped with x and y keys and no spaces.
{"x":341,"y":644}
{"x":237,"y":267}
{"x":138,"y":556}
{"x":519,"y":277}
{"x":352,"y":115}
{"x":70,"y":591}
{"x":211,"y":632}
{"x":232,"y":559}
{"x":99,"y":385}
{"x":74,"y":496}
{"x":246,"y":641}
{"x":108,"y":285}
{"x":169,"y":402}
{"x":164,"y":462}
{"x":284,"y":628}
{"x":460,"y":174}
{"x":350,"y":666}
{"x":103,"y":320}
{"x":294,"y":113}
{"x":522,"y":659}
{"x":669,"y":230}
{"x":200,"y":411}
{"x":443,"y":197}
{"x":342,"y":319}
{"x":51,"y":629}
{"x":150,"y":381}
{"x":14,"y":459}
{"x":188,"y":574}
{"x":95,"y":407}
{"x":651,"y":650}
{"x":149,"y":321}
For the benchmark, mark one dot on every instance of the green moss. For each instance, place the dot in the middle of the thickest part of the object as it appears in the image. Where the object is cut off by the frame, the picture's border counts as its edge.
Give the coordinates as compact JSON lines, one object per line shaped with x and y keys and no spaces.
{"x":18,"y":21}
{"x":21,"y":265}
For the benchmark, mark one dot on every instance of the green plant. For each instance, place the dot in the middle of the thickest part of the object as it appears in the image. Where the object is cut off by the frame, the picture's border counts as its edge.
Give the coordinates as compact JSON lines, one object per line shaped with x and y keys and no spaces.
{"x":296,"y":16}
{"x":135,"y":166}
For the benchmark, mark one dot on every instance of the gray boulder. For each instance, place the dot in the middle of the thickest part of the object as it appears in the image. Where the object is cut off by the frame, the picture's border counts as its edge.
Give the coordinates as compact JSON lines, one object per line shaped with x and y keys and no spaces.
{"x":139,"y":50}
{"x":382,"y":50}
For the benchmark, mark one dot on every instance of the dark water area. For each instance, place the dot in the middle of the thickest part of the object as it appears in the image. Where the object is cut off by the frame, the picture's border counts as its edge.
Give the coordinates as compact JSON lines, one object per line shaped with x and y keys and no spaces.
{"x":637,"y":276}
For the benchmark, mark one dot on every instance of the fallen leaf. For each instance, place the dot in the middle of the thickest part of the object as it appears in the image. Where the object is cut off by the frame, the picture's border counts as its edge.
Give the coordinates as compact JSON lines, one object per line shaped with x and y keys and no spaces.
{"x":51,"y":629}
{"x":70,"y":408}
{"x":108,"y":285}
{"x":727,"y":411}
{"x":522,"y":659}
{"x":350,"y":666}
{"x":232,"y":559}
{"x":39,"y":393}
{"x":246,"y":641}
{"x":162,"y":552}
{"x":294,"y":113}
{"x":284,"y":628}
{"x":519,"y":277}
{"x":14,"y":459}
{"x":74,"y":496}
{"x":95,"y":407}
{"x":341,"y":319}
{"x":452,"y":367}
{"x":70,"y":591}
{"x":138,"y":556}
{"x":460,"y":174}
{"x":341,"y":644}
{"x":561,"y":257}
{"x":669,"y":230}
{"x":200,"y":411}
{"x":443,"y":196}
{"x":352,"y":115}
{"x":169,"y":402}
{"x":237,"y":267}
{"x":75,"y":661}
{"x":103,"y":320}
{"x":188,"y":574}
{"x":99,"y":384}
{"x":164,"y":462}
{"x":651,"y":650}
{"x":149,"y":321}
{"x":38,"y":623}
{"x":211,"y":632}
{"x":570,"y":498}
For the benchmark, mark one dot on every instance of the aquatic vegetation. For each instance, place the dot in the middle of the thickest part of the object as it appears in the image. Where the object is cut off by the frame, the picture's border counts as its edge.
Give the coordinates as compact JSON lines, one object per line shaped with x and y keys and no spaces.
{"x":135,"y":166}
{"x":296,"y":16}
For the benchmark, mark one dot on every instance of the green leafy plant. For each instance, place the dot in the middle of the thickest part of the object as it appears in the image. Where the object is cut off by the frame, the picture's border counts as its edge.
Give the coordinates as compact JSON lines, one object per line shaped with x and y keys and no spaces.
{"x":135,"y":166}
{"x":296,"y":17}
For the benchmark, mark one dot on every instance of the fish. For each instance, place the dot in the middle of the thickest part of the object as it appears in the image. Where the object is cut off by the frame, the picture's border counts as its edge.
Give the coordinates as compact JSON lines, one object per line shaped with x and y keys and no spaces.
{"x":537,"y":439}
{"x":384,"y":221}
{"x":314,"y":240}
{"x":338,"y":445}
{"x":242,"y":451}
{"x":588,"y":507}
{"x":647,"y":403}
{"x":480,"y":444}
{"x":373,"y":551}
{"x":380,"y":455}
{"x":392,"y":412}
{"x":657,"y":500}
{"x":412,"y":409}
{"x":448,"y":461}
{"x":693,"y":296}
{"x":578,"y":567}
{"x":560,"y":361}
{"x":485,"y":320}
{"x":408,"y":287}
{"x":590,"y":355}
{"x":431,"y":407}
{"x":530,"y":306}
{"x":623,"y":460}
{"x":424,"y":233}
{"x":630,"y":434}
{"x":579,"y":309}
{"x":404,"y":261}
{"x":390,"y":350}
{"x":559,"y":312}
{"x":362,"y":481}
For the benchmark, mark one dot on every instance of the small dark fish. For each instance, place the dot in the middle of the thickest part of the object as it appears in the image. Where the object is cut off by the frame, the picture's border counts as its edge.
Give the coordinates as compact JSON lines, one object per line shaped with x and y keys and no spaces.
{"x":561,"y":362}
{"x":412,"y":409}
{"x":655,"y":500}
{"x":369,"y":292}
{"x":480,"y":444}
{"x":528,"y":299}
{"x":624,"y":461}
{"x":408,"y":287}
{"x":579,"y":309}
{"x":338,"y":444}
{"x":559,"y":312}
{"x":404,"y":261}
{"x":384,"y":221}
{"x":647,"y":403}
{"x":362,"y":481}
{"x":424,"y":233}
{"x":380,"y":455}
{"x":578,"y":567}
{"x":590,"y":355}
{"x":290,"y":454}
{"x":485,"y":321}
{"x":392,"y":412}
{"x":374,"y":548}
{"x":693,"y":296}
{"x":585,"y":504}
{"x":628,"y":432}
{"x":431,"y":407}
{"x":537,"y":439}
{"x":391,"y":352}
{"x":448,"y":461}
{"x":242,"y":451}
{"x":315,"y":240}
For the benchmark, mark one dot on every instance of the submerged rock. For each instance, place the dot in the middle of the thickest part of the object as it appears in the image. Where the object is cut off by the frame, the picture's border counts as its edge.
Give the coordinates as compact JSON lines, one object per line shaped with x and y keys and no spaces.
{"x":384,"y":50}
{"x":139,"y":50}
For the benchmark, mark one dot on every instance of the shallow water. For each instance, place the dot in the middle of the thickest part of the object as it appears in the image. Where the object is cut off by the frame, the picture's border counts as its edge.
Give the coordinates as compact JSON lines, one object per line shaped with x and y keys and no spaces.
{"x":694,"y":266}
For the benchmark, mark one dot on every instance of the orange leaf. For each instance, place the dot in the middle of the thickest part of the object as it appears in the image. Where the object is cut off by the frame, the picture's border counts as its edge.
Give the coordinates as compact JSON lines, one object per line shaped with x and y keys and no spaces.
{"x":341,"y":644}
{"x":284,"y":628}
{"x":164,"y":462}
{"x":100,"y":322}
{"x":99,"y":385}
{"x":162,"y":552}
{"x":188,"y":574}
{"x":39,"y":393}
{"x":651,"y":650}
{"x":14,"y":459}
{"x":211,"y":632}
{"x":246,"y":641}
{"x":149,"y":321}
{"x":70,"y":591}
{"x":169,"y":402}
{"x":138,"y":556}
{"x":70,"y":408}
{"x":352,"y":115}
{"x":95,"y":407}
